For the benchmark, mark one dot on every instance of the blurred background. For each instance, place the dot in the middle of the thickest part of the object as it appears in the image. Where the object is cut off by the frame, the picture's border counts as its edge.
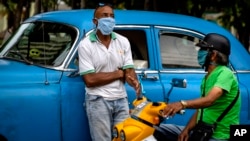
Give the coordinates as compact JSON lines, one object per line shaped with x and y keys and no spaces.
{"x":230,"y":14}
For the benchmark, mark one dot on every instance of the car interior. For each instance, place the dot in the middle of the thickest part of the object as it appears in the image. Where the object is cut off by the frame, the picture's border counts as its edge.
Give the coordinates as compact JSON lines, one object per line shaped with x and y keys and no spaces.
{"x":138,"y":42}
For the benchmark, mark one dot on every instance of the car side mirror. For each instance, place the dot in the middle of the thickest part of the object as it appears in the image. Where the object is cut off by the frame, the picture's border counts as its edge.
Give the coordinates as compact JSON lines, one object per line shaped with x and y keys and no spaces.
{"x":181,"y":83}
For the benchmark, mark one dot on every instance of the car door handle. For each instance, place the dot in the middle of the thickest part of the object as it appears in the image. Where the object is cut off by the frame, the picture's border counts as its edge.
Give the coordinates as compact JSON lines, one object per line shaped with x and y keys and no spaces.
{"x":144,"y":76}
{"x":154,"y":78}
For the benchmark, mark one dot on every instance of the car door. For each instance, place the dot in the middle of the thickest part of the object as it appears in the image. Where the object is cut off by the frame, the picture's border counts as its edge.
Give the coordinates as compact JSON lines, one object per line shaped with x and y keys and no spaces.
{"x":29,"y":89}
{"x":140,"y":38}
{"x":74,"y":121}
{"x":178,"y":59}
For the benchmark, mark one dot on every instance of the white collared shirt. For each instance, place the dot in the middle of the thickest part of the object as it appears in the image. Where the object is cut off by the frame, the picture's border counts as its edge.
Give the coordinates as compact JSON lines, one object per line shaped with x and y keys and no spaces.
{"x":95,"y":57}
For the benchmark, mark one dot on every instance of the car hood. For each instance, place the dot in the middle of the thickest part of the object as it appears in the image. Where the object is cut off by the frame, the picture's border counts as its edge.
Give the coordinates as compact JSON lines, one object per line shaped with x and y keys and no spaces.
{"x":14,"y":72}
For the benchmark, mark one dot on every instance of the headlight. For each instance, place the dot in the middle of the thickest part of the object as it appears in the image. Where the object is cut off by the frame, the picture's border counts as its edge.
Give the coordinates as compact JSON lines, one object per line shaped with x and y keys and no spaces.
{"x":115,"y":132}
{"x":122,"y":136}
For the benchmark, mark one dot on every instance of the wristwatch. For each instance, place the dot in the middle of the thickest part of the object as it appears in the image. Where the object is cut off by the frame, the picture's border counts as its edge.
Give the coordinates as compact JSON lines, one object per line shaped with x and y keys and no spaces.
{"x":184,"y":104}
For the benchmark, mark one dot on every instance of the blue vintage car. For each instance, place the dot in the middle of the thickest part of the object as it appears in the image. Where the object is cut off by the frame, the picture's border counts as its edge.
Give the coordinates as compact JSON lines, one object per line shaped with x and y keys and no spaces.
{"x":42,"y":94}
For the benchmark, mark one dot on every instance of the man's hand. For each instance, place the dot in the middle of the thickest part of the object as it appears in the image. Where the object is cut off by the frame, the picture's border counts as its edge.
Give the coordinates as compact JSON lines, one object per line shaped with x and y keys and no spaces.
{"x":184,"y":135}
{"x":172,"y":108}
{"x":134,"y":83}
{"x":121,"y":74}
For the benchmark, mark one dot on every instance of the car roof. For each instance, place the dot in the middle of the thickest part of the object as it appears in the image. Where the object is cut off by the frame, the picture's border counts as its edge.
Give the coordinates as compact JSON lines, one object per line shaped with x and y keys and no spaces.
{"x":78,"y":18}
{"x":82,"y":19}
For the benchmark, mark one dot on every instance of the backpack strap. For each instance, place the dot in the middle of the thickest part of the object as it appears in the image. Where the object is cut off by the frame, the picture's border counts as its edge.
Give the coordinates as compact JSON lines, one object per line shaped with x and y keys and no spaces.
{"x":228,"y":107}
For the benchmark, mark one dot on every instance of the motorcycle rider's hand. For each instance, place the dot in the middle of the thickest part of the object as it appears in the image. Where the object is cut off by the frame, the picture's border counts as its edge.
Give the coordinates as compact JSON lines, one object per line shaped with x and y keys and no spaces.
{"x":172,"y":108}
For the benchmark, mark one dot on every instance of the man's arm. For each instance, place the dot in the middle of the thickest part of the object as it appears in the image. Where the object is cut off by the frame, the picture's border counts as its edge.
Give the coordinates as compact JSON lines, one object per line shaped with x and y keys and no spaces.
{"x":197,"y":103}
{"x":102,"y":78}
{"x":131,"y":79}
{"x":185,"y":132}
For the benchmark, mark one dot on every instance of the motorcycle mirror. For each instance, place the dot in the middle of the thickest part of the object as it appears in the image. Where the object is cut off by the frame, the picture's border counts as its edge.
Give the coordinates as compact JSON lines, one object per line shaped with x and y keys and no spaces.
{"x":181,"y":83}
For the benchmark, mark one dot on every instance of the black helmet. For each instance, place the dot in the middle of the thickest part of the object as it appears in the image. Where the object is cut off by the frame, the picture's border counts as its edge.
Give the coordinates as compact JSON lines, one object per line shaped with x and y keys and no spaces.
{"x":217,"y":42}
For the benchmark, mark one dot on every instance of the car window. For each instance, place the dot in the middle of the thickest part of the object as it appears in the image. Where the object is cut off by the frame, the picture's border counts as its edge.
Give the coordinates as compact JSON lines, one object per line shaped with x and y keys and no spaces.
{"x":138,"y":42}
{"x":44,"y":43}
{"x":178,"y":51}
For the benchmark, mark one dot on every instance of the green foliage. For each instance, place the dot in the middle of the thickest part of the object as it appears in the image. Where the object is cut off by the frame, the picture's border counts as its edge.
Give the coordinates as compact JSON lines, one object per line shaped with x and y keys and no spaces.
{"x":10,"y":5}
{"x":235,"y":12}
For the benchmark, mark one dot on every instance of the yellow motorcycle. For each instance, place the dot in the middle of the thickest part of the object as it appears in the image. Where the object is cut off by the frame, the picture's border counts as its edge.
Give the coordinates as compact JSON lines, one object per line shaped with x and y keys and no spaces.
{"x":145,"y":118}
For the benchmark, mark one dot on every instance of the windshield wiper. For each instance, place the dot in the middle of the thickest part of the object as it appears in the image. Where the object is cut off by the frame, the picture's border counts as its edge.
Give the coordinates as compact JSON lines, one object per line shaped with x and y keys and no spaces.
{"x":20,"y":55}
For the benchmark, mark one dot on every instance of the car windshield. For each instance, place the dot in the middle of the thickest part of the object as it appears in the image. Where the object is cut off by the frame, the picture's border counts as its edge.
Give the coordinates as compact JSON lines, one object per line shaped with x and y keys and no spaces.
{"x":41,"y":43}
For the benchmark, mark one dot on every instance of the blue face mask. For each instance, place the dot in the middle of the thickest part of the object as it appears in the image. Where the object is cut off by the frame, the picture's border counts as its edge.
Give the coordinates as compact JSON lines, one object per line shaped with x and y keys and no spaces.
{"x":202,"y":54}
{"x":106,"y":25}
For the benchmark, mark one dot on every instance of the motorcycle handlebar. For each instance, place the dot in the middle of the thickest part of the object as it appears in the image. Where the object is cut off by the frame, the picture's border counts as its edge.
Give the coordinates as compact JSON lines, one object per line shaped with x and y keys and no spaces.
{"x":181,"y":112}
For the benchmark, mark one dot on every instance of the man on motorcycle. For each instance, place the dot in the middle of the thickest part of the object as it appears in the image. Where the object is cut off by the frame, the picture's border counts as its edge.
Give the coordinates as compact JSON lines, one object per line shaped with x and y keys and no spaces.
{"x":219,"y":88}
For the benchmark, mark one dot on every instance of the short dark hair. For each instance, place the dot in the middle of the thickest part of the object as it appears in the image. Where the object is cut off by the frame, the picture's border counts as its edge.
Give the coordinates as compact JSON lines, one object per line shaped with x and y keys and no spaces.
{"x":102,"y":5}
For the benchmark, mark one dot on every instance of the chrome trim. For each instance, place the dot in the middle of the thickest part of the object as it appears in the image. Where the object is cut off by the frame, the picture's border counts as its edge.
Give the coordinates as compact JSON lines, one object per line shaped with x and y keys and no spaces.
{"x":67,"y":60}
{"x":146,"y":71}
{"x":182,"y":71}
{"x":179,"y":29}
{"x":71,"y":53}
{"x":242,"y":71}
{"x":190,"y":71}
{"x":132,"y":26}
{"x":69,"y":57}
{"x":87,"y":33}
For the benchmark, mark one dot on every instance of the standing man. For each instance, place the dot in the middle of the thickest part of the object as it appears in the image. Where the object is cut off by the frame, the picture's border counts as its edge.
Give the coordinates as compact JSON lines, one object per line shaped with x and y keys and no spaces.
{"x":106,"y":63}
{"x":219,"y":88}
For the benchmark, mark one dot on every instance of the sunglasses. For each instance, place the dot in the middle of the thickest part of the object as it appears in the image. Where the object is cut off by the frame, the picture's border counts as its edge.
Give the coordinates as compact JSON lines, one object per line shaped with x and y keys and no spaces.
{"x":104,"y":4}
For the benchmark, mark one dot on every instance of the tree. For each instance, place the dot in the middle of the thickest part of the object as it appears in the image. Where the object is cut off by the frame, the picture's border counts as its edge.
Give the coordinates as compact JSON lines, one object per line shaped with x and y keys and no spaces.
{"x":234,"y":12}
{"x":16,"y":12}
{"x":236,"y":15}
